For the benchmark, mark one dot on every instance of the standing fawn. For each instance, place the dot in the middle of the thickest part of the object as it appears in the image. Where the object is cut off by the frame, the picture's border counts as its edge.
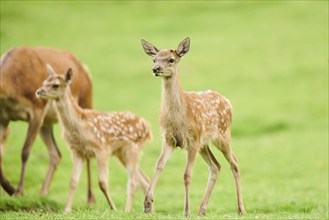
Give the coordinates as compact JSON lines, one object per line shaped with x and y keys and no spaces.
{"x":22,"y":70}
{"x":190,"y":120}
{"x":95,"y":134}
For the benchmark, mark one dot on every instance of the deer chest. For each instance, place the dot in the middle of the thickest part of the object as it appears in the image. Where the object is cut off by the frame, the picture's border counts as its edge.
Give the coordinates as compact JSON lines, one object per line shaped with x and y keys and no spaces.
{"x":79,"y":144}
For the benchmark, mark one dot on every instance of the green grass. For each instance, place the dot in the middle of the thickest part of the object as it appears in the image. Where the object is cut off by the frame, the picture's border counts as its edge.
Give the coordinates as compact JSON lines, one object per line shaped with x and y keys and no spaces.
{"x":269,"y":58}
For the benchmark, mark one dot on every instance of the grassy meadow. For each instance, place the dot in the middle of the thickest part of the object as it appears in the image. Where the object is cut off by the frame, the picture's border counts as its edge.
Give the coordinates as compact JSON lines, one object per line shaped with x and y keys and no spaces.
{"x":270,"y":58}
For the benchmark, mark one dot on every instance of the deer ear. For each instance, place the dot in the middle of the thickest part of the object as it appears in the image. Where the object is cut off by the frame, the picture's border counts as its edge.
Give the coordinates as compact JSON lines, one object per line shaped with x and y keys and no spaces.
{"x":149,"y":48}
{"x":50,"y":70}
{"x":69,"y":76}
{"x":183,"y":47}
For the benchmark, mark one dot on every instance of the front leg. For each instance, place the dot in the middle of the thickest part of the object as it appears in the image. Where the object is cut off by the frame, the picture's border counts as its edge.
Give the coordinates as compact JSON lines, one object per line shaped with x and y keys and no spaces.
{"x":166,"y":152}
{"x":191,"y":156}
{"x":33,"y":129}
{"x":77,"y":168}
{"x":47,"y":135}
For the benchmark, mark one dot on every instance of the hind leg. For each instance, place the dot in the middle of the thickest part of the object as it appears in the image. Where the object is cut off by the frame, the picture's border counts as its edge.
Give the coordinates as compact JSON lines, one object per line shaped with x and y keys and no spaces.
{"x":90,"y":198}
{"x":102,"y":163}
{"x":144,"y":181}
{"x":131,"y":158}
{"x":232,"y":160}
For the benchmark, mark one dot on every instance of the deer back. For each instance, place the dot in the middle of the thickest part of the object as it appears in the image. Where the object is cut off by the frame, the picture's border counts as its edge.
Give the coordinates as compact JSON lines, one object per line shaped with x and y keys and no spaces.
{"x":23,"y":69}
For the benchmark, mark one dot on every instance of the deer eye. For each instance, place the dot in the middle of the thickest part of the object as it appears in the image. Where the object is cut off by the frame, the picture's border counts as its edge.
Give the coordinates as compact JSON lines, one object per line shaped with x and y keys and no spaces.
{"x":55,"y":86}
{"x":153,"y":60}
{"x":171,"y":60}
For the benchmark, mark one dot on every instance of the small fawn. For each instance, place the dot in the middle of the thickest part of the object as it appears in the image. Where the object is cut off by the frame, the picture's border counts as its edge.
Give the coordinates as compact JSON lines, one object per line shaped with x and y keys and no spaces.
{"x":96,"y":134}
{"x":190,"y":120}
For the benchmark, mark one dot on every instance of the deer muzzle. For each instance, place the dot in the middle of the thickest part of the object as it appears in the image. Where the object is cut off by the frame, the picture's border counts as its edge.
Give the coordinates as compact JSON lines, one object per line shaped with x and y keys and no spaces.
{"x":39,"y":93}
{"x":157,"y":70}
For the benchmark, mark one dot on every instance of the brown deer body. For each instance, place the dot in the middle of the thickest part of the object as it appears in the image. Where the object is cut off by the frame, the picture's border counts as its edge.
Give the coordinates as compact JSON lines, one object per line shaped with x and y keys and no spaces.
{"x":97,"y":134}
{"x":191,"y":120}
{"x":23,"y":70}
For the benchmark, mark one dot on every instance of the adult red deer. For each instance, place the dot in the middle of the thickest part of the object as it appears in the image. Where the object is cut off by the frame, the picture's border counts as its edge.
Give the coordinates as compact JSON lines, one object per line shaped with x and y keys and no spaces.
{"x":23,"y":69}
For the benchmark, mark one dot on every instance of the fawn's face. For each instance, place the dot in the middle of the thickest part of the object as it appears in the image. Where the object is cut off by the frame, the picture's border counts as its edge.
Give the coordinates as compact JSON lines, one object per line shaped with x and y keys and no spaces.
{"x":55,"y":85}
{"x":165,"y":63}
{"x":166,"y":60}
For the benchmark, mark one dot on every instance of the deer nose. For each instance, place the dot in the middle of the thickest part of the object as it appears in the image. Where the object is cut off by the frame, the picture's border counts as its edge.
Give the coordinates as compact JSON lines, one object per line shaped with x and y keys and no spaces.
{"x":38,"y":92}
{"x":156,"y":69}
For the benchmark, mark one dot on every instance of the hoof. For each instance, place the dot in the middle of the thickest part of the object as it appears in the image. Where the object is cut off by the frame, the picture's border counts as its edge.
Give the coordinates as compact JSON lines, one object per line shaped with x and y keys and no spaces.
{"x":147,"y":207}
{"x":241,"y":211}
{"x":18,"y":193}
{"x":91,"y":200}
{"x":202,"y":212}
{"x":67,"y":210}
{"x":186,"y":214}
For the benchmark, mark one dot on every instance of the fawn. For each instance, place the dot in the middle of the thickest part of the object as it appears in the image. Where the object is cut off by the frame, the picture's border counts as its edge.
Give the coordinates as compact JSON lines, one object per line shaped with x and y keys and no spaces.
{"x":96,"y":134}
{"x":190,"y":120}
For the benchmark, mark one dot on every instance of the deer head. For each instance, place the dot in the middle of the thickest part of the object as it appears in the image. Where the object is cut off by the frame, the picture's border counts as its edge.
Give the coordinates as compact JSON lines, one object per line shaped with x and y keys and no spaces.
{"x":55,"y":85}
{"x":166,"y":60}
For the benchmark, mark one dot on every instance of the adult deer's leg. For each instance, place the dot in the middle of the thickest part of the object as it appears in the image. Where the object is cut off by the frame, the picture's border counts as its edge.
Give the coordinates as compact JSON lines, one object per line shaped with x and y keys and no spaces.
{"x":166,"y":151}
{"x":77,"y":169}
{"x":102,"y":163}
{"x":232,"y":160}
{"x":4,"y":132}
{"x":33,"y":129}
{"x":214,"y":169}
{"x":46,"y":133}
{"x":191,"y":156}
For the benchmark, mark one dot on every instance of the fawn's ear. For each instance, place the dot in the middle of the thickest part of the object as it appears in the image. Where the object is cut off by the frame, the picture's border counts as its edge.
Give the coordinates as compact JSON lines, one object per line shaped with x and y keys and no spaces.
{"x":69,"y":76}
{"x":50,"y":70}
{"x":183,"y":47}
{"x":149,"y":48}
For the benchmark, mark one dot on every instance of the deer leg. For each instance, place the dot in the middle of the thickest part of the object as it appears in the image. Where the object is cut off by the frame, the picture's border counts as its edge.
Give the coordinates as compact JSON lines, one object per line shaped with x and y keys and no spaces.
{"x":132,"y":168}
{"x":232,"y":160}
{"x":4,"y":132}
{"x":46,"y":133}
{"x":191,"y":156}
{"x":166,"y":151}
{"x":143,"y":180}
{"x":77,"y":169}
{"x":33,"y":129}
{"x":214,"y":169}
{"x":91,"y":198}
{"x":102,"y":163}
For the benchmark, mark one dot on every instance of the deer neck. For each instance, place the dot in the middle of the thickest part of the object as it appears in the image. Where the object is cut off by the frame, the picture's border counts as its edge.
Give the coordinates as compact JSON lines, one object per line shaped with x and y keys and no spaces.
{"x":172,"y":97}
{"x":68,"y":110}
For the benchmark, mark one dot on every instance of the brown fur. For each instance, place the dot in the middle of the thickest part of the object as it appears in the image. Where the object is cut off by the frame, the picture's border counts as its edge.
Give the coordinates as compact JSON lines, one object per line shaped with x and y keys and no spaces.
{"x":98,"y":134}
{"x":23,"y":70}
{"x":191,"y":120}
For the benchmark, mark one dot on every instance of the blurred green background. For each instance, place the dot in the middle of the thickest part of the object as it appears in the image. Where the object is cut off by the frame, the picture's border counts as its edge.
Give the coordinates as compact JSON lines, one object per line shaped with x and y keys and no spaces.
{"x":270,"y":58}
